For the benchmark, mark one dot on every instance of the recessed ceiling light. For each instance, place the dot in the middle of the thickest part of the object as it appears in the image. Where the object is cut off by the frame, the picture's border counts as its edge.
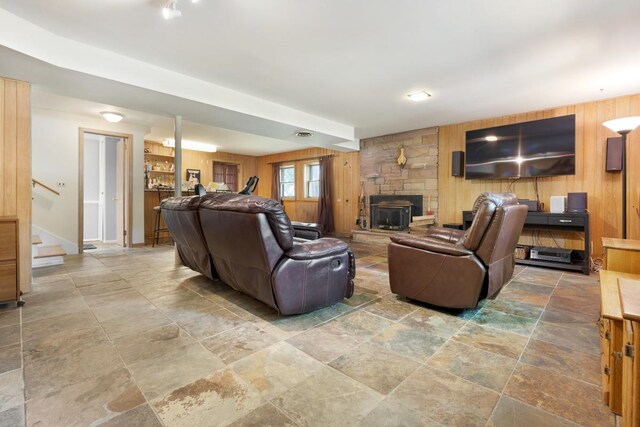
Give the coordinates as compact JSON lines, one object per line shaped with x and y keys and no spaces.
{"x":170,"y":10}
{"x":304,"y":134}
{"x":112,"y":117}
{"x":491,"y":138}
{"x":419,"y":96}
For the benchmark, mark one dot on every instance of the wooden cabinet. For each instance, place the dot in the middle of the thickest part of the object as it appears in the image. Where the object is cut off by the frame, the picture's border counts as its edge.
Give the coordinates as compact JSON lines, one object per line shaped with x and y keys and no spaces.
{"x":630,"y":302}
{"x":621,"y":255}
{"x":611,"y":337}
{"x":9,"y":260}
{"x":621,"y":262}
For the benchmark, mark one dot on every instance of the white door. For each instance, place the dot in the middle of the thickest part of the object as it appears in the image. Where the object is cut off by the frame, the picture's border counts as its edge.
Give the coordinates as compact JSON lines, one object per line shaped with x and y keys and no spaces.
{"x":91,"y":197}
{"x":120,"y":193}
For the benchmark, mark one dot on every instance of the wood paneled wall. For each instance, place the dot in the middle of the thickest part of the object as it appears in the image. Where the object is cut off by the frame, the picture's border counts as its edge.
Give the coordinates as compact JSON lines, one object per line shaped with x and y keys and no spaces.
{"x":248,"y":165}
{"x":346,"y":185}
{"x":15,"y":165}
{"x":604,"y":189}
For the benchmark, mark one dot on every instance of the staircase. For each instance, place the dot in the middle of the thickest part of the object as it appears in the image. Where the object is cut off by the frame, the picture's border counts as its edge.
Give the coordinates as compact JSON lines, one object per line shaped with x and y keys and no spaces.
{"x":45,"y":255}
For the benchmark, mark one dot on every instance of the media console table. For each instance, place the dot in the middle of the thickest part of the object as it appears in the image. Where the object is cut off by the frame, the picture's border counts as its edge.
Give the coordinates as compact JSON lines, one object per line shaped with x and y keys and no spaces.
{"x":575,"y":221}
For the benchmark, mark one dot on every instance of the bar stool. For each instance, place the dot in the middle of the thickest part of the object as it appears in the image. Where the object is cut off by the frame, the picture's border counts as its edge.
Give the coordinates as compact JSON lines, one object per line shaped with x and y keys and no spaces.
{"x":156,"y":227}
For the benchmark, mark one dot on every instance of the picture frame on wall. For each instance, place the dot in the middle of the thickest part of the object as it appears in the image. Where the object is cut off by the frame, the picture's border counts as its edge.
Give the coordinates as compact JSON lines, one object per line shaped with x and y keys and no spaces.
{"x":193,"y":173}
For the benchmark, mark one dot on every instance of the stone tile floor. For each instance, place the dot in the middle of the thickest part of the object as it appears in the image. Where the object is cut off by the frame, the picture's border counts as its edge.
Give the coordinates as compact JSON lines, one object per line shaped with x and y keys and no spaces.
{"x":124,"y":338}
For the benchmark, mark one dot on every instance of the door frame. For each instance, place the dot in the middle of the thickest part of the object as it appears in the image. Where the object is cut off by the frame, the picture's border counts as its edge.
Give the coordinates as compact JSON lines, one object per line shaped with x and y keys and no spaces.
{"x":128,"y":176}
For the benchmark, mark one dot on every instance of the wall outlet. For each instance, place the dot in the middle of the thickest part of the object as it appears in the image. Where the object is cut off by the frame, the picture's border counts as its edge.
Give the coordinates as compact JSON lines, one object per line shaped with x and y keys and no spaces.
{"x":61,"y":184}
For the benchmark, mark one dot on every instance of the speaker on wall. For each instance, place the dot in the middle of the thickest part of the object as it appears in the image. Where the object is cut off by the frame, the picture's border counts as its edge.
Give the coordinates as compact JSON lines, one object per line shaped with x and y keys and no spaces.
{"x":576,"y":202}
{"x":457,"y":163}
{"x":614,"y":154}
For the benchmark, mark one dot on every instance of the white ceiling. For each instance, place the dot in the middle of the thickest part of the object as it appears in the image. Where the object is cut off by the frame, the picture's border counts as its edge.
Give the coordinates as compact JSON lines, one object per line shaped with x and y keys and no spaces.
{"x":161,"y":127}
{"x":352,"y":62}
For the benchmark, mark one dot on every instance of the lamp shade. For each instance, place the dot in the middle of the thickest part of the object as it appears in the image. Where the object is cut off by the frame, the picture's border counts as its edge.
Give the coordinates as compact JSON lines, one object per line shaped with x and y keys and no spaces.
{"x":623,"y":125}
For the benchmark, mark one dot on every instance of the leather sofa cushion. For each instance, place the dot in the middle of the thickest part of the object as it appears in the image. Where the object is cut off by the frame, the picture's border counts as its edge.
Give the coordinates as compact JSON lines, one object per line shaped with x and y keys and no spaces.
{"x":496,"y":199}
{"x":430,"y":244}
{"x":181,"y":203}
{"x":484,"y":209}
{"x":445,"y":234}
{"x":312,"y":249}
{"x":278,"y":220}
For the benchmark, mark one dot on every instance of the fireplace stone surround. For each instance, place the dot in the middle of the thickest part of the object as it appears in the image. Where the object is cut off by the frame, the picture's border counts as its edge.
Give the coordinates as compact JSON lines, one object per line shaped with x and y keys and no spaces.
{"x":381,"y":175}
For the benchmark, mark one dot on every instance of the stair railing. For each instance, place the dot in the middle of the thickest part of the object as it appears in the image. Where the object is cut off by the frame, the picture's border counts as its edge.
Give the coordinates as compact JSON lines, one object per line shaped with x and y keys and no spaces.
{"x":35,"y":182}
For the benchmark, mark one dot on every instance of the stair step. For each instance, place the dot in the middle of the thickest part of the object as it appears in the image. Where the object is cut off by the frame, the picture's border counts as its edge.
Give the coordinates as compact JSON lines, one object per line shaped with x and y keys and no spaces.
{"x":36,"y":240}
{"x":50,"y":251}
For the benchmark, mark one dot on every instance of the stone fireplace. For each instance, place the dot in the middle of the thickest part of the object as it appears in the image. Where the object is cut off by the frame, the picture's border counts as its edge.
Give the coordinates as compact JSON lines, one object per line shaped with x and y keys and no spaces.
{"x":385,"y":181}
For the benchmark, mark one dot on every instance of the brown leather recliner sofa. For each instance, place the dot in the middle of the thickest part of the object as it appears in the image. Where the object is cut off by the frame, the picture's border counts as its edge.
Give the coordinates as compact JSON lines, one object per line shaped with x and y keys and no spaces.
{"x":249,"y":243}
{"x":454,"y":268}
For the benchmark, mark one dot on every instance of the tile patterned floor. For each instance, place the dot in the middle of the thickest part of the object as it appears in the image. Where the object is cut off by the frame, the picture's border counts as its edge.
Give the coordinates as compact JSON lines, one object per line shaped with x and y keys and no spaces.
{"x":123,"y":338}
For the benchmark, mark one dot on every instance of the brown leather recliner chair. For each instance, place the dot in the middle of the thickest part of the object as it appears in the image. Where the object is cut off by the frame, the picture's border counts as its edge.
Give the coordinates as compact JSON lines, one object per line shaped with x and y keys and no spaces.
{"x":252,"y":247}
{"x":453,"y":268}
{"x":182,"y":219}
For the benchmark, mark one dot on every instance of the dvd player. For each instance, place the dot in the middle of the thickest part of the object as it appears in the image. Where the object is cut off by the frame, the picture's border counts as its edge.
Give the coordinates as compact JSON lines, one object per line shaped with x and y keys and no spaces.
{"x":551,"y":254}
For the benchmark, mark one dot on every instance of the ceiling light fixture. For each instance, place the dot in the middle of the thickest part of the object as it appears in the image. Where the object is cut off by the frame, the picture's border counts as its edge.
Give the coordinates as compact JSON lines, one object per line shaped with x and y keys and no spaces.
{"x":304,"y":134}
{"x":170,"y":10}
{"x":112,"y":117}
{"x":191,"y":145}
{"x":419,"y":96}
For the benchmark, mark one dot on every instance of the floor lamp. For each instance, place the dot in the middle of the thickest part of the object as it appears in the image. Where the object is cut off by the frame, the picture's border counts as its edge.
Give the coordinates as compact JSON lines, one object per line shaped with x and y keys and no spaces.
{"x":623,"y":127}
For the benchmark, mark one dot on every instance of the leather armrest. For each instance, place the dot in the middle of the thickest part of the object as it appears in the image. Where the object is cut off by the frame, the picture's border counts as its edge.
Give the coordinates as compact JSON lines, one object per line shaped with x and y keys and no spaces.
{"x":430,"y":244}
{"x":445,"y":234}
{"x":320,"y":248}
{"x":306,"y":230}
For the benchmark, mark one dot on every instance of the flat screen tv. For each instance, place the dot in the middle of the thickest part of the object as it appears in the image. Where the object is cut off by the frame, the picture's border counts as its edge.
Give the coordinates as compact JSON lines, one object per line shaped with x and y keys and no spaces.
{"x":531,"y":149}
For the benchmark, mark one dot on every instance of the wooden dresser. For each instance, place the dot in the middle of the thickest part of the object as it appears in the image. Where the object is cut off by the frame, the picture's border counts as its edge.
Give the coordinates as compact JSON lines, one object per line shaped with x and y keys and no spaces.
{"x":9,"y":260}
{"x":630,"y":301}
{"x":611,"y":337}
{"x":621,"y":255}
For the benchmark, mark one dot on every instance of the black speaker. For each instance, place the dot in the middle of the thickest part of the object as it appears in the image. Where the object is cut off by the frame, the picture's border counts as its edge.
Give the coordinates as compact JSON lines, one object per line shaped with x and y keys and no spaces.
{"x":614,"y":154}
{"x":576,"y":202}
{"x":457,"y":163}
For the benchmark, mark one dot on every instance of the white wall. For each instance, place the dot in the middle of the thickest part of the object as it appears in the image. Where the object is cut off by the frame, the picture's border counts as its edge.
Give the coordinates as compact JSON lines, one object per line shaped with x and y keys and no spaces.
{"x":54,"y":137}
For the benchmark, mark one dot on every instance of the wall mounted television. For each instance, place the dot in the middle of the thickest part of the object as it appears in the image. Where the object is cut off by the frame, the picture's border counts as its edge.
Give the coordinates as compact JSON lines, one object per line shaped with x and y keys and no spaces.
{"x":530,"y":149}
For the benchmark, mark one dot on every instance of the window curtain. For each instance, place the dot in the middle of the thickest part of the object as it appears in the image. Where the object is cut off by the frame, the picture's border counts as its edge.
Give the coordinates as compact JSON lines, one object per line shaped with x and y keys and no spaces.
{"x":226,"y":173}
{"x":231,"y":177}
{"x":325,"y":209}
{"x":218,"y":172}
{"x":275,"y":181}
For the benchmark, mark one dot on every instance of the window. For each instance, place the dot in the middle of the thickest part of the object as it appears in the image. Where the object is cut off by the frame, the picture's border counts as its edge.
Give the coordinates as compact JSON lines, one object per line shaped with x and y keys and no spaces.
{"x":312,"y":180}
{"x":288,"y":181}
{"x":226,"y":173}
